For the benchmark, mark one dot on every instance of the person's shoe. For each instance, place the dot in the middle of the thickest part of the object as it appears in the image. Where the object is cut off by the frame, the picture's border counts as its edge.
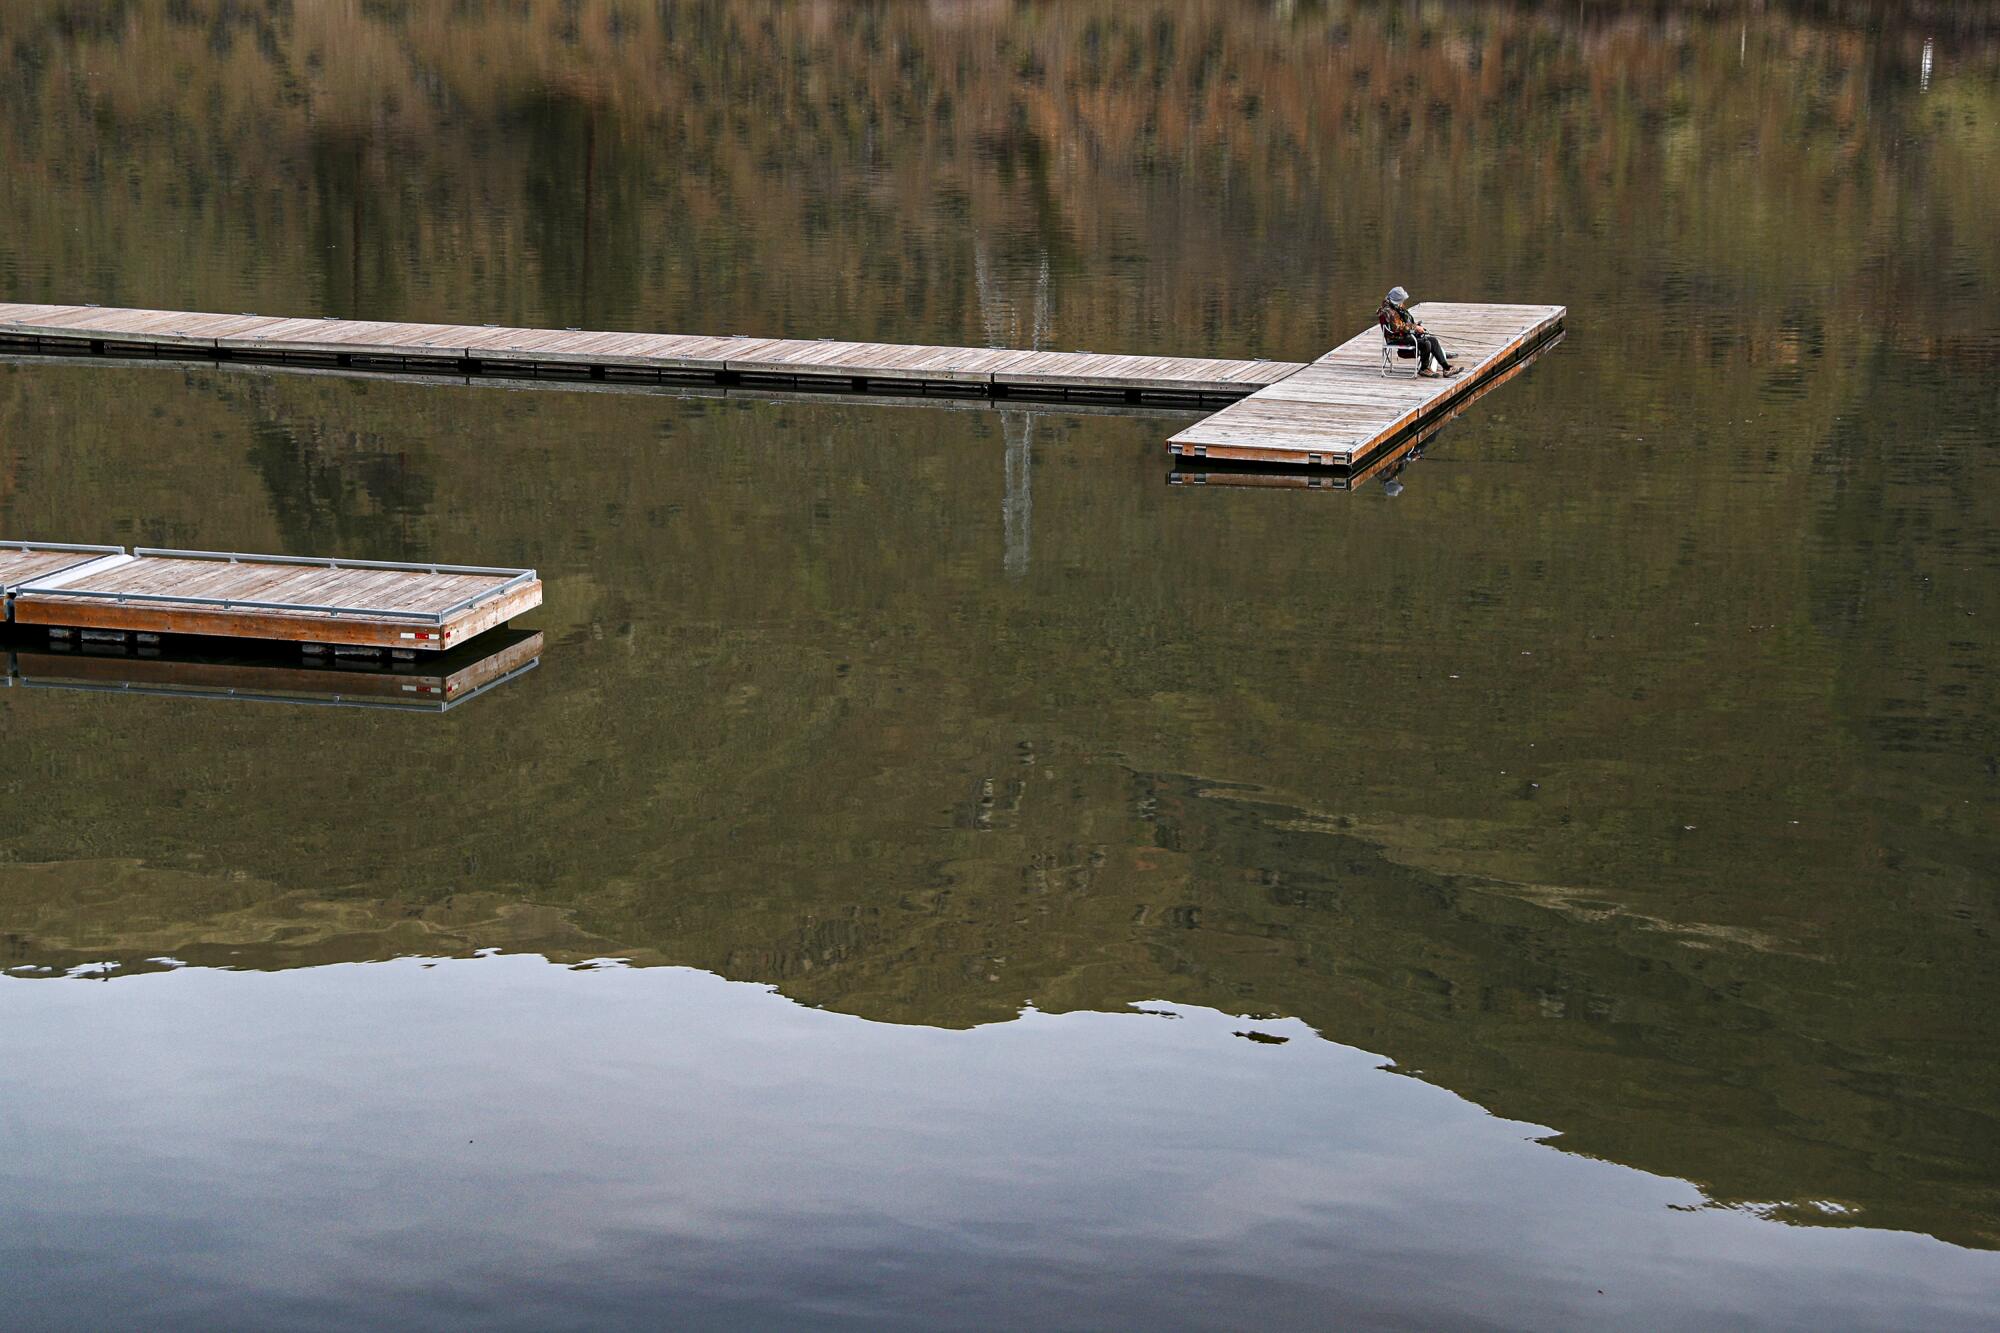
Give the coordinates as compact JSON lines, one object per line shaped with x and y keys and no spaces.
{"x":1430,"y":375}
{"x":1450,"y":371}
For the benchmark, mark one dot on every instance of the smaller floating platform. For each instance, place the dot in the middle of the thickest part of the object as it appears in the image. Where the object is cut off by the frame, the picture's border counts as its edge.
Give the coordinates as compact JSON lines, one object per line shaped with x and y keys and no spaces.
{"x":366,"y":604}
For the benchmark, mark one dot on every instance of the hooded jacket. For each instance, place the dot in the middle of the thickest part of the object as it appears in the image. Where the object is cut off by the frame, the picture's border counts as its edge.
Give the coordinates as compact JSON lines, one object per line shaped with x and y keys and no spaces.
{"x":1397,"y":326}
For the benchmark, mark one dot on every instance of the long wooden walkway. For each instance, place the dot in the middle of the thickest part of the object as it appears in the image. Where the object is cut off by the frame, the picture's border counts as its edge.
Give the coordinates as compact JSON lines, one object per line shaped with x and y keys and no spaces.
{"x":474,"y":349}
{"x":368,"y":604}
{"x":1342,"y":408}
{"x":1334,"y":412}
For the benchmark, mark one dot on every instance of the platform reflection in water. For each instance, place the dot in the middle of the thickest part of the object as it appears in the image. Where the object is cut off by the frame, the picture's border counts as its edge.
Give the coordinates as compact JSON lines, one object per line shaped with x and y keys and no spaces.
{"x":208,"y":669}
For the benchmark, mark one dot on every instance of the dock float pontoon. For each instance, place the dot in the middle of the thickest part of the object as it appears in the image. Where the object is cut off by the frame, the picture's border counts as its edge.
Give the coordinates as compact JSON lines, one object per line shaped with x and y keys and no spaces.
{"x":374,"y":605}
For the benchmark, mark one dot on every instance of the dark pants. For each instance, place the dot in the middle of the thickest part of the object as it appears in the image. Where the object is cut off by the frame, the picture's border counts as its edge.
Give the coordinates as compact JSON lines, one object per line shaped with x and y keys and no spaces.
{"x":1429,"y":349}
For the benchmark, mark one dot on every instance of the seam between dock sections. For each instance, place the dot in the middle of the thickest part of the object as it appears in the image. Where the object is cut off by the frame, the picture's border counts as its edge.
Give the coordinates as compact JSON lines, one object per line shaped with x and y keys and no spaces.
{"x":24,"y":563}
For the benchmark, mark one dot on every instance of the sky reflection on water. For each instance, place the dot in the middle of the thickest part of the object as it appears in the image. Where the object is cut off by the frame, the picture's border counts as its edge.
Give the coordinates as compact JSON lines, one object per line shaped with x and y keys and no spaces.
{"x":504,"y":1141}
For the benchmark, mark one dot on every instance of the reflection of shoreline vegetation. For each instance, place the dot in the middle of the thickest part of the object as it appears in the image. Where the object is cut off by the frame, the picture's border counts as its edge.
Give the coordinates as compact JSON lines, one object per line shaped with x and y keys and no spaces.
{"x":764,"y":745}
{"x":606,"y":164}
{"x":1680,"y":1067}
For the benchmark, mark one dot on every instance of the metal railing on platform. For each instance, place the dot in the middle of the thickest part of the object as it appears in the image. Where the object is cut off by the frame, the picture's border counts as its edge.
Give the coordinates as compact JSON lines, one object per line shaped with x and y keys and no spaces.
{"x":61,"y":546}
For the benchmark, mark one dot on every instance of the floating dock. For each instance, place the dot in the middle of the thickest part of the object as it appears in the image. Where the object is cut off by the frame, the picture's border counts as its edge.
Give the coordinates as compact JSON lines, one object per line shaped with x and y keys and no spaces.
{"x":1343,"y":407}
{"x":1333,"y":413}
{"x":657,"y":357}
{"x":334,"y":605}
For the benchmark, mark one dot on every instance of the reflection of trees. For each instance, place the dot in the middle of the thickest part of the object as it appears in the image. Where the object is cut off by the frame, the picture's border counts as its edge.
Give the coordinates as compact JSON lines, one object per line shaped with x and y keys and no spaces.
{"x":325,"y":487}
{"x":341,"y":496}
{"x":1005,"y":326}
{"x":1200,"y":177}
{"x":838,"y":756}
{"x":353,"y":268}
{"x":1730,"y":1062}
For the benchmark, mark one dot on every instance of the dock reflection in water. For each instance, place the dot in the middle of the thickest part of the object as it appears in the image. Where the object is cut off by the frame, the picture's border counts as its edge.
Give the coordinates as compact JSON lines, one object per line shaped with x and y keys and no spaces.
{"x":948,"y":397}
{"x":435,"y":684}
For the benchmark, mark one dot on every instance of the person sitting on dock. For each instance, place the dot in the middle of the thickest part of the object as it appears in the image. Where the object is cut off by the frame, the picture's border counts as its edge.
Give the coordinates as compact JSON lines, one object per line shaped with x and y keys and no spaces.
{"x":1400,"y":329}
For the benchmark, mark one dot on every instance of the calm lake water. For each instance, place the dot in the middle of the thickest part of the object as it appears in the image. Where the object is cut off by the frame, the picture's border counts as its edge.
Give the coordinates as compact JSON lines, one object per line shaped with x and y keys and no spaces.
{"x":941,"y":873}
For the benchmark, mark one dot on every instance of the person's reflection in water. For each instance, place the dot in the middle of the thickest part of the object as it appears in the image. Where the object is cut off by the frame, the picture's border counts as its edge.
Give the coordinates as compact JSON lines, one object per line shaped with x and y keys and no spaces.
{"x":1392,"y":485}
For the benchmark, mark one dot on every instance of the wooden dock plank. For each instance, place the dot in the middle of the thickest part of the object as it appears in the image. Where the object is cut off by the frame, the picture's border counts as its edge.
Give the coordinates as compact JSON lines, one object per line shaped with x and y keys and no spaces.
{"x":14,"y":312}
{"x":516,"y":344}
{"x":336,"y":336}
{"x":890,"y":361}
{"x":153,"y":327}
{"x":383,"y":589}
{"x":1166,"y":374}
{"x":1341,"y":408}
